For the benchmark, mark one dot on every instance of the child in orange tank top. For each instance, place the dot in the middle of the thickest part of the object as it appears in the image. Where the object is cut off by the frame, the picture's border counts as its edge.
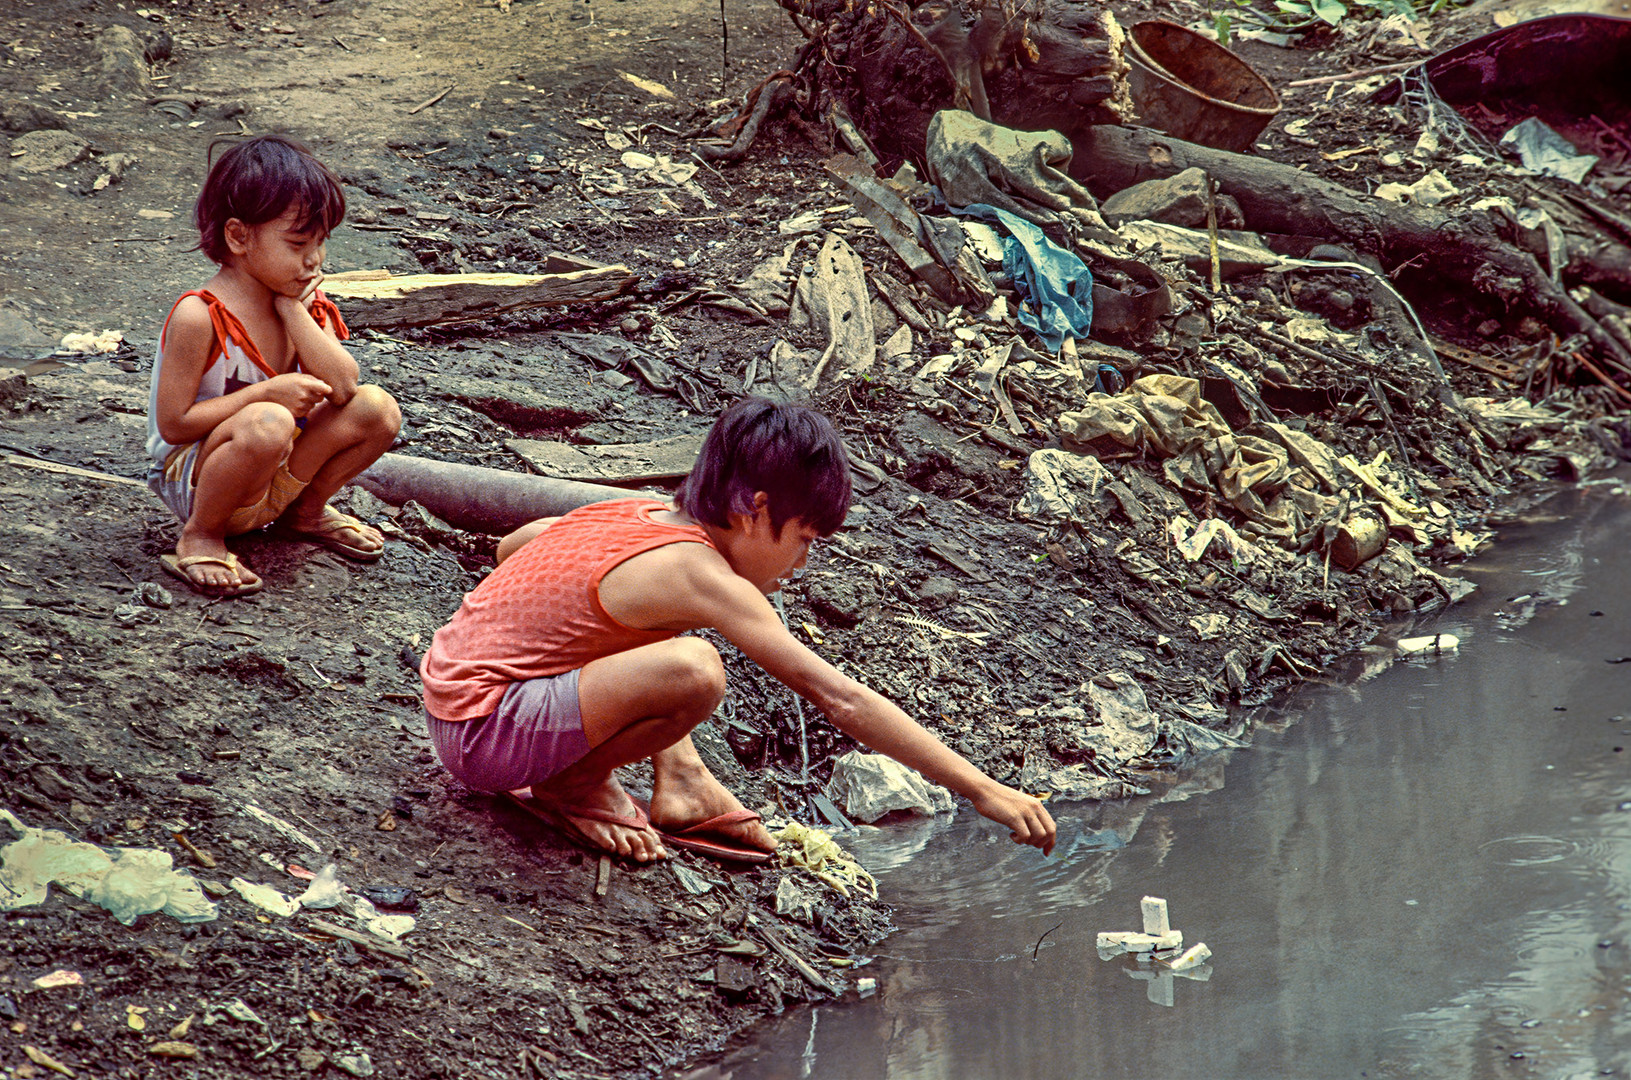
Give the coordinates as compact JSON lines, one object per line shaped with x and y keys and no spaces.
{"x":256,"y":416}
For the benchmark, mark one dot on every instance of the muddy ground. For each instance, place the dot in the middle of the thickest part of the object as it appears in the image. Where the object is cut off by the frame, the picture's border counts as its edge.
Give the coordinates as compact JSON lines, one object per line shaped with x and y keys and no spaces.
{"x":130,"y":724}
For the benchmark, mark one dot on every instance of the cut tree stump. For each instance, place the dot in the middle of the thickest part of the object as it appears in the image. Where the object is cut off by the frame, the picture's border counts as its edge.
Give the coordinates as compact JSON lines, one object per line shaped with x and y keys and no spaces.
{"x":378,"y":300}
{"x":1031,"y":65}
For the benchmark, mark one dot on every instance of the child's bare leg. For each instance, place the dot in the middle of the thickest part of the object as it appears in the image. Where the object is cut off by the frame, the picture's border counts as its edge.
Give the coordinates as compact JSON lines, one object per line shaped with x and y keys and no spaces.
{"x":635,"y":704}
{"x":336,"y":445}
{"x":235,"y":467}
{"x":685,"y":793}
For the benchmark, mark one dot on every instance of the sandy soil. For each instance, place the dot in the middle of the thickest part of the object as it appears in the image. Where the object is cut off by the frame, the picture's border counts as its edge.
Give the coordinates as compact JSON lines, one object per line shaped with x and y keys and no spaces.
{"x":133,"y":725}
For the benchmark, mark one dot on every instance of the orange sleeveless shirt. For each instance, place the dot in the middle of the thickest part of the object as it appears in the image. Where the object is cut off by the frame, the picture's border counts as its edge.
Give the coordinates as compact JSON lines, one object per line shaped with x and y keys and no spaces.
{"x":539,"y":614}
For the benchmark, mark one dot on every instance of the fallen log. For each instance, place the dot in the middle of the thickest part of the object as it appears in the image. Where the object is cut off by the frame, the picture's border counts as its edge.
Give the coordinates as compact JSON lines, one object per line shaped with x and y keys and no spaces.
{"x":371,"y":299}
{"x":477,"y":499}
{"x":1462,"y":250}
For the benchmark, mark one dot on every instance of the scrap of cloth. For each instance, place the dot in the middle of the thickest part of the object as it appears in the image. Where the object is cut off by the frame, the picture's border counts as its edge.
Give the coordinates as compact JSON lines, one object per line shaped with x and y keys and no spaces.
{"x":1056,"y":287}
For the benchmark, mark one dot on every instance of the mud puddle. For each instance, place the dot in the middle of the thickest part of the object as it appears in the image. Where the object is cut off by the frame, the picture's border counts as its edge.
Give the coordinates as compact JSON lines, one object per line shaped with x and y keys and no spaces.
{"x":1423,"y":872}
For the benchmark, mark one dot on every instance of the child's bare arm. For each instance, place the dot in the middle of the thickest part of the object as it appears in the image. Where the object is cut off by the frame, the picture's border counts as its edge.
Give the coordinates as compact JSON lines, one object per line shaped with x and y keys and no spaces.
{"x":683,"y":586}
{"x":189,"y":345}
{"x":320,"y":351}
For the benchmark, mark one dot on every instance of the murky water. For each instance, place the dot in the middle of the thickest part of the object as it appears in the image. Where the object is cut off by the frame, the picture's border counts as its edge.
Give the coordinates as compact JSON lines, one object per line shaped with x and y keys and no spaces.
{"x":1425,"y":872}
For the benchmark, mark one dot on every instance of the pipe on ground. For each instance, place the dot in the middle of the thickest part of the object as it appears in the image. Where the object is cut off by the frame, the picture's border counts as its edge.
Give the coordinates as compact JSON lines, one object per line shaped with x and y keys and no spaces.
{"x":479,"y":499}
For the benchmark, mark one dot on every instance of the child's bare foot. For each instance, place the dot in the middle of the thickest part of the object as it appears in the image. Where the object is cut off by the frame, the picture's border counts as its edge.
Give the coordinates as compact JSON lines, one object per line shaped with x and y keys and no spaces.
{"x":329,"y":528}
{"x":687,"y":797}
{"x":603,"y":817}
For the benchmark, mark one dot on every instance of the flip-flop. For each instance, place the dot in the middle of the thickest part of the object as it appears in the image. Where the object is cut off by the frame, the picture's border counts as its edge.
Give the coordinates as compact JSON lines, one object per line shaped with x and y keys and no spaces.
{"x":557,"y":817}
{"x":178,"y":566}
{"x":697,"y":838}
{"x":328,"y":533}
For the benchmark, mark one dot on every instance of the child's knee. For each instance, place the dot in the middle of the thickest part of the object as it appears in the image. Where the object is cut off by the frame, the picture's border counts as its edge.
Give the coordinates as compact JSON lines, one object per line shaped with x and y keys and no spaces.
{"x":264,"y":429}
{"x":376,"y":410}
{"x":699,"y":671}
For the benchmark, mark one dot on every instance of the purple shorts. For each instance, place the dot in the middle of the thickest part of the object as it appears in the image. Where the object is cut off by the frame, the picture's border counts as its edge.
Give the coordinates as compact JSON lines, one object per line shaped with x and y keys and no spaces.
{"x":536,"y":731}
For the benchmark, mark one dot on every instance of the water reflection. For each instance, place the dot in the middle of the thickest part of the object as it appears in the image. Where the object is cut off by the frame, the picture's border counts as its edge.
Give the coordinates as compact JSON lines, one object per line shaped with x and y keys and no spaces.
{"x":1424,"y":872}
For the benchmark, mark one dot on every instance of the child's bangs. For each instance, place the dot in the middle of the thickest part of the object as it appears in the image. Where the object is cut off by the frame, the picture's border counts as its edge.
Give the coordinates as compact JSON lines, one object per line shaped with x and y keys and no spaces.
{"x":321,"y":201}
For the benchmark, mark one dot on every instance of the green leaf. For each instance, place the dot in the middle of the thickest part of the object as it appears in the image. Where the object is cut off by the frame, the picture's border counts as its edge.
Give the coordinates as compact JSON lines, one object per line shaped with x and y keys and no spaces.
{"x":1330,"y":11}
{"x":1294,"y":7}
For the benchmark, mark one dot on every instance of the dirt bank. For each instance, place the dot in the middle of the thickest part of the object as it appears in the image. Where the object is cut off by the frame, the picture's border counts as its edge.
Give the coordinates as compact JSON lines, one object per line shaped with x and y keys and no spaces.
{"x":485,"y":137}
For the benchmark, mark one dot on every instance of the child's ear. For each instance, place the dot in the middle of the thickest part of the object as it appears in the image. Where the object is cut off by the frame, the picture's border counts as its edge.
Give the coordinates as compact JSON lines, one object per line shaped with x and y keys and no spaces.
{"x":236,"y":235}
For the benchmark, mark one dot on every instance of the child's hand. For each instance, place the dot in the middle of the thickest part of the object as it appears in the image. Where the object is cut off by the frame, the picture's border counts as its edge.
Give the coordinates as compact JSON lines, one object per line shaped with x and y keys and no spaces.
{"x":287,"y":305}
{"x":296,"y":391}
{"x":1027,"y":819}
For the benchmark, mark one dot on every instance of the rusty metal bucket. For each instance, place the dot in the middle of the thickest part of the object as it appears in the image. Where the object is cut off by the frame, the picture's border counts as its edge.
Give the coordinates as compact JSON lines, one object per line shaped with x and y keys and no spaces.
{"x":1195,"y":89}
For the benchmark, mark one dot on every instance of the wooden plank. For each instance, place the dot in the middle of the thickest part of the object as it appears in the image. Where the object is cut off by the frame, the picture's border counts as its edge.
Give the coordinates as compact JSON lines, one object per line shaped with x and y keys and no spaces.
{"x":370,"y":301}
{"x":617,"y":463}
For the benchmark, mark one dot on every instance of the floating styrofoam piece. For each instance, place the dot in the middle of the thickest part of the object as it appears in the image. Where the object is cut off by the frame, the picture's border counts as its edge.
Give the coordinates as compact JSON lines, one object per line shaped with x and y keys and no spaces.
{"x":1196,"y":955}
{"x":1431,"y":645}
{"x":1155,"y":915}
{"x":1128,"y":941}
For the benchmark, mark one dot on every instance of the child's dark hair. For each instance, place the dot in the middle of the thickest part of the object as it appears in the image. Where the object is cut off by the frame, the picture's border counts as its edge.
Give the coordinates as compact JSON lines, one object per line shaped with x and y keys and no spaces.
{"x":792,"y":454}
{"x":256,"y":181}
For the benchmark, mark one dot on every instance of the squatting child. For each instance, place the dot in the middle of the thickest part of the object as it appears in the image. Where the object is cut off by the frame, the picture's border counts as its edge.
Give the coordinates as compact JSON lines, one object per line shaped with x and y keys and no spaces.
{"x":564,"y":663}
{"x":256,"y":416}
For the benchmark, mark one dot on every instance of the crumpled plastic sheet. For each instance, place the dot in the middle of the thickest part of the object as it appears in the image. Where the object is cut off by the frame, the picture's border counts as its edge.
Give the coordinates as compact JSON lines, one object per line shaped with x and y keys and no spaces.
{"x":816,"y":851}
{"x":1546,"y":152}
{"x":868,"y":786}
{"x":1130,"y":725}
{"x":128,"y":882}
{"x":1061,"y":486}
{"x":1022,"y":172}
{"x":1054,"y":285}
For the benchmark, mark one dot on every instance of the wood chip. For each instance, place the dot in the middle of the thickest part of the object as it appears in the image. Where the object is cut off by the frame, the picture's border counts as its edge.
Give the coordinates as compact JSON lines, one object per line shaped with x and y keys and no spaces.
{"x":41,"y":1058}
{"x":173,"y":1049}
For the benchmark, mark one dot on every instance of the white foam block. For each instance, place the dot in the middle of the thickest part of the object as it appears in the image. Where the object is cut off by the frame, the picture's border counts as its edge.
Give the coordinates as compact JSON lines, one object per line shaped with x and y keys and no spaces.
{"x":1133,"y":942}
{"x":1155,"y":915}
{"x":1195,"y":956}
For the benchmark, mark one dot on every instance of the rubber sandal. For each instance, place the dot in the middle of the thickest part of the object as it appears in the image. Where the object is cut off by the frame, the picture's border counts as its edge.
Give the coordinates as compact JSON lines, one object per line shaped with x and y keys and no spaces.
{"x":178,"y":565}
{"x":328,"y":533}
{"x":556,"y":816}
{"x":696,"y":838}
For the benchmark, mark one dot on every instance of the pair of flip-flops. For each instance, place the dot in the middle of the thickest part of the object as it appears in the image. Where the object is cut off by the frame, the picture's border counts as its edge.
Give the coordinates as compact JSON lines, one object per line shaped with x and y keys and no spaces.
{"x":692,"y":838}
{"x":180,"y":564}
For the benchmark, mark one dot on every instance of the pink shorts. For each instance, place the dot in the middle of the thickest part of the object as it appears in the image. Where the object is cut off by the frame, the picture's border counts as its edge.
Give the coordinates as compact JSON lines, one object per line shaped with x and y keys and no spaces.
{"x":536,"y":731}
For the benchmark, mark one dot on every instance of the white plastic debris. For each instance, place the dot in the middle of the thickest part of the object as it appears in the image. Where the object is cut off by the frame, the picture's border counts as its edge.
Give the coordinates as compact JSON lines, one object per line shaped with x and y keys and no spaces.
{"x":325,"y":890}
{"x":1431,"y":645}
{"x":265,"y":897}
{"x":390,"y":927}
{"x":128,"y":882}
{"x":1430,"y":190}
{"x":868,"y":786}
{"x":866,"y":987}
{"x":1546,"y":152}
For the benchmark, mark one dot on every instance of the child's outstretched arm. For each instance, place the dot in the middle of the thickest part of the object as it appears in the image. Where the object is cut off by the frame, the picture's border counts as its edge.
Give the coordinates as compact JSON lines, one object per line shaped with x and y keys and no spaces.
{"x":188,"y":347}
{"x":698,"y":588}
{"x":319,"y":349}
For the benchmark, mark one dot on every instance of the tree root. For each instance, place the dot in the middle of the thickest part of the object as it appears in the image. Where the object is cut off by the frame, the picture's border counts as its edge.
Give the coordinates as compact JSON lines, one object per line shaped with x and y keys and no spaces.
{"x":770,"y":93}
